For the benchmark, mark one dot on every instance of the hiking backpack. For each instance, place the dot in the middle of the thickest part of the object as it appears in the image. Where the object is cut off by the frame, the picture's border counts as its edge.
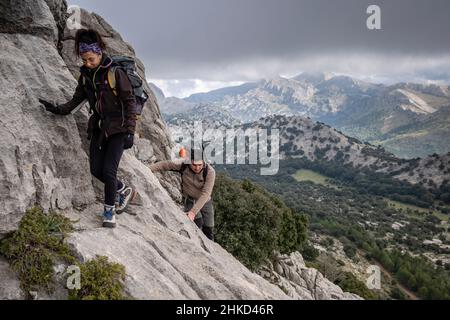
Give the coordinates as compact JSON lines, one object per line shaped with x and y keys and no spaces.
{"x":128,"y":64}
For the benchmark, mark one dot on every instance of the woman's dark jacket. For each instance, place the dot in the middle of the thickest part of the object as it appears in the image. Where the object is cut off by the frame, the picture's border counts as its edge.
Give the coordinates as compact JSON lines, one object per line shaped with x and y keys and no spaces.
{"x":111,"y":114}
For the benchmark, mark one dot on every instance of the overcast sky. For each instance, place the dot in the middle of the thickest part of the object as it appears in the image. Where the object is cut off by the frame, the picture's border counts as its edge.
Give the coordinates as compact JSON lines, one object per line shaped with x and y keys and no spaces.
{"x":196,"y":45}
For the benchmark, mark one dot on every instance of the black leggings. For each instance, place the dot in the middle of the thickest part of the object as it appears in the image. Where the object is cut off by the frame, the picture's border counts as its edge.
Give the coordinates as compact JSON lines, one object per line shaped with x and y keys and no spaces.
{"x":104,"y":163}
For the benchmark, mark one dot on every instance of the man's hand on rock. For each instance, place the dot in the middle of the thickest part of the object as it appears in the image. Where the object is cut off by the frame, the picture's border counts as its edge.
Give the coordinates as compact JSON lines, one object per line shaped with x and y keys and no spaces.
{"x":191,"y":215}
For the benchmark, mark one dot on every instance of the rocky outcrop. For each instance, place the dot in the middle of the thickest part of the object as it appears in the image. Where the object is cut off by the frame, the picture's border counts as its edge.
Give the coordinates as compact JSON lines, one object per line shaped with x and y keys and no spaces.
{"x":290,"y":273}
{"x":28,"y":17}
{"x":41,"y":162}
{"x":166,"y":256}
{"x":44,"y":162}
{"x":10,"y":288}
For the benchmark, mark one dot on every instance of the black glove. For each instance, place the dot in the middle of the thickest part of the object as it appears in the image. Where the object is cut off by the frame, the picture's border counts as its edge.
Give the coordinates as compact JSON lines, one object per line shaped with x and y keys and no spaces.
{"x":50,"y":107}
{"x":129,"y":141}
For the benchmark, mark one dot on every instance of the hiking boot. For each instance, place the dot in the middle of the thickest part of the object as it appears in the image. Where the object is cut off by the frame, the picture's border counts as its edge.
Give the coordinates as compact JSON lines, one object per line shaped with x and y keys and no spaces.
{"x":109,"y":217}
{"x":124,"y":197}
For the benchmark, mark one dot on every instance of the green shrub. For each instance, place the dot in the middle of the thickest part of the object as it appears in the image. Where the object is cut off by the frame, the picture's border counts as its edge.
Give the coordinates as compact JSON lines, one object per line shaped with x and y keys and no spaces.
{"x":251,"y":223}
{"x":348,"y":282}
{"x":100,"y":280}
{"x":350,"y":251}
{"x":397,"y":294}
{"x":34,"y":248}
{"x":310,"y":253}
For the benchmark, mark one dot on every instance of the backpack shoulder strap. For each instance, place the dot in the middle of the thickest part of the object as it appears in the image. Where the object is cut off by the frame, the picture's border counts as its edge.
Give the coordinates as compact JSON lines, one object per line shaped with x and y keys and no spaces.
{"x":205,"y":171}
{"x":184,"y":165}
{"x":112,"y":79}
{"x":82,"y":80}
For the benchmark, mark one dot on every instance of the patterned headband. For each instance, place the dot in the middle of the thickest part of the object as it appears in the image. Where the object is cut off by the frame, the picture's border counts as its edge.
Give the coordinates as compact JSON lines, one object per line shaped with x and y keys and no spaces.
{"x":93,"y":47}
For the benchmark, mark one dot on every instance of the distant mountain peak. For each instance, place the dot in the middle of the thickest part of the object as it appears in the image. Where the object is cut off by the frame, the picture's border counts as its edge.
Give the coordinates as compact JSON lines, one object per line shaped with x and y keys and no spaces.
{"x":314,"y":77}
{"x":415,"y":103}
{"x":157,"y":91}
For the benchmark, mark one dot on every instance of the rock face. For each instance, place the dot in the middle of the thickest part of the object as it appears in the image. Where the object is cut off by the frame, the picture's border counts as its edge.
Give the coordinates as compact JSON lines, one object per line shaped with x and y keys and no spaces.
{"x":290,"y":273}
{"x":166,"y":256}
{"x":44,"y":162}
{"x":28,"y":17}
{"x":41,"y":162}
{"x":10,"y":289}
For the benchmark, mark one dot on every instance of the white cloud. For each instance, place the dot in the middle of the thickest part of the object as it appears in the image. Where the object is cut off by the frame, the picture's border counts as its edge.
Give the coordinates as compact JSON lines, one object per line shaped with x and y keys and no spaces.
{"x":372,"y":67}
{"x":182,"y":88}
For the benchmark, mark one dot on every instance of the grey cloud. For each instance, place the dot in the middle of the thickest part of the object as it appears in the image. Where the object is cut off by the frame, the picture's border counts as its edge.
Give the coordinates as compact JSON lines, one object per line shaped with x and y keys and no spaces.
{"x":239,"y":40}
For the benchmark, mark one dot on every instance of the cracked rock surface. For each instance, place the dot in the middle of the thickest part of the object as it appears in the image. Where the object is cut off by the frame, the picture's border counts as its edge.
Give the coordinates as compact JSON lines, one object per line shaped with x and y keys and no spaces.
{"x":44,"y":162}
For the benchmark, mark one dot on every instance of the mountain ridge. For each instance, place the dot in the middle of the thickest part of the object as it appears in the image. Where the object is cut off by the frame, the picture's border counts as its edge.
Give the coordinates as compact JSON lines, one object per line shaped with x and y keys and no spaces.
{"x":367,"y":111}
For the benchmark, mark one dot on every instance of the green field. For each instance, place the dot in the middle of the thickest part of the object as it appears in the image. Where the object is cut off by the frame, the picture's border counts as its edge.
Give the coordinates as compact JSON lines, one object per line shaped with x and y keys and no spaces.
{"x":404,"y":206}
{"x":317,"y":178}
{"x":309,"y":175}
